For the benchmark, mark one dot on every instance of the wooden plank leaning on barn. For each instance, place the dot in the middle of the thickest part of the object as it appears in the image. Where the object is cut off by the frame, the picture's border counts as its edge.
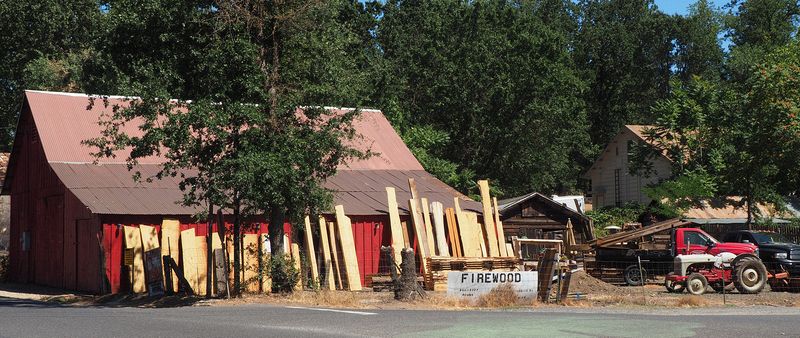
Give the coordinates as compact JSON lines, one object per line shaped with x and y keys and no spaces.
{"x":488,"y":221}
{"x":419,"y":231}
{"x":170,"y":239}
{"x":426,"y":217}
{"x":348,"y":249}
{"x":297,"y":265}
{"x":188,"y":252}
{"x":335,"y":254}
{"x":480,"y":238}
{"x":327,"y":281}
{"x":453,"y":233}
{"x":250,"y":263}
{"x":395,"y":226}
{"x":201,"y":254}
{"x":467,"y":233}
{"x":133,"y":242}
{"x":266,"y":256}
{"x":438,"y":223}
{"x":501,"y":234}
{"x":310,"y":252}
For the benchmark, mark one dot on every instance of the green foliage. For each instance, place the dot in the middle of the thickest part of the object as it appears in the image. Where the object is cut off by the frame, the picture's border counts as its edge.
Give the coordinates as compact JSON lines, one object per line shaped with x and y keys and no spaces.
{"x":283,"y":273}
{"x":682,"y":192}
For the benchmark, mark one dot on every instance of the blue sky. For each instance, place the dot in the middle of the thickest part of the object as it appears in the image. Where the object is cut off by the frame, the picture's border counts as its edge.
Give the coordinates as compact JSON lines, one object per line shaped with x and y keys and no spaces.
{"x":682,"y":6}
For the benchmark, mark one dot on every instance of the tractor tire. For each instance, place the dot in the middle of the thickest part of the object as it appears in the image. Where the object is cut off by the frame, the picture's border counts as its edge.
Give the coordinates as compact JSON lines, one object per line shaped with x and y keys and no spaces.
{"x":696,"y":284}
{"x":633,"y":276}
{"x":673,"y":287}
{"x":718,"y":287}
{"x":750,"y":276}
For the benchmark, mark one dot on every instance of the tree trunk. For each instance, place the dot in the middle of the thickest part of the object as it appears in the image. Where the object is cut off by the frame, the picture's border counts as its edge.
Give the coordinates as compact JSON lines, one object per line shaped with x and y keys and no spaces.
{"x":209,"y":251}
{"x":276,"y":217}
{"x":237,"y":231}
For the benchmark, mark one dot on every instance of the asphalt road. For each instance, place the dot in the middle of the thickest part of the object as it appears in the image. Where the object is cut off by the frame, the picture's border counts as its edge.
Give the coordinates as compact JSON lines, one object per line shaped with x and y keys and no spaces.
{"x":24,"y":318}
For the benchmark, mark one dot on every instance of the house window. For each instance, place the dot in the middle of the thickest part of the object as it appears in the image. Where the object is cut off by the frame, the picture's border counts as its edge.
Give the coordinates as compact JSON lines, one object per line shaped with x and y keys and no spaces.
{"x":617,"y":199}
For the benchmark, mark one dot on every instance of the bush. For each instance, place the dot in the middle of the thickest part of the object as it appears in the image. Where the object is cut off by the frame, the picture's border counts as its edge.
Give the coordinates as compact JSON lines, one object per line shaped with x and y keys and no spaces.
{"x":283,"y":273}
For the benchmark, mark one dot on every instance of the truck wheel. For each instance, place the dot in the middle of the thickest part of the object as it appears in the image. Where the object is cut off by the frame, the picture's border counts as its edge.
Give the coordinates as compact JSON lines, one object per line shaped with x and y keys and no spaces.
{"x":632,"y":275}
{"x":750,"y":276}
{"x":696,"y":284}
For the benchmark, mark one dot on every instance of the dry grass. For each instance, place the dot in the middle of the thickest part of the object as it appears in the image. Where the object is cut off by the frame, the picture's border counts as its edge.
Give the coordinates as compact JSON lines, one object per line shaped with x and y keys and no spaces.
{"x":501,"y":296}
{"x":691,"y":301}
{"x":323,"y":298}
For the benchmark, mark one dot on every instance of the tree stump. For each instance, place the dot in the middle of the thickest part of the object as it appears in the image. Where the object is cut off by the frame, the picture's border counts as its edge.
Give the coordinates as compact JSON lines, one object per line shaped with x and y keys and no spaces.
{"x":407,"y":287}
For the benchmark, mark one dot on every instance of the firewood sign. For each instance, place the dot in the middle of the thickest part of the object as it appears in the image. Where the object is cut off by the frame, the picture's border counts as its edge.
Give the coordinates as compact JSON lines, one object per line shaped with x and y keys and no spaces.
{"x":472,"y":284}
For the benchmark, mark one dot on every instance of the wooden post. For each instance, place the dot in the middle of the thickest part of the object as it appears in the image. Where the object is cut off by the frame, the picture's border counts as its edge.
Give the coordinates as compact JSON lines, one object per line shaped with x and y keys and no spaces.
{"x":395,"y":225}
{"x":488,"y":220}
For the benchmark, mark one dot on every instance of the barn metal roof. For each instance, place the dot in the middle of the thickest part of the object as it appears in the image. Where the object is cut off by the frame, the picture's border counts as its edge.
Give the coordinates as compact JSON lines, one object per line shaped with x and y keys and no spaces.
{"x":106,"y":187}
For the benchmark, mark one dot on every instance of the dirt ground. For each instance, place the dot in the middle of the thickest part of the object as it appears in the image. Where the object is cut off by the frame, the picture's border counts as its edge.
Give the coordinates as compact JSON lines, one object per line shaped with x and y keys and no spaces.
{"x":593,"y":293}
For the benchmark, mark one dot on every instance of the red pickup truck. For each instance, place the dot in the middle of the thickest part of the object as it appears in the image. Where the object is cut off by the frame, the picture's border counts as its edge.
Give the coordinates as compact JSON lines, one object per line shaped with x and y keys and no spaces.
{"x":686,"y":241}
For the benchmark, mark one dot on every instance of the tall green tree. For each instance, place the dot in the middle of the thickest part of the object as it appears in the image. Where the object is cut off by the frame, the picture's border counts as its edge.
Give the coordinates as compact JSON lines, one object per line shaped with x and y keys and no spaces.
{"x":42,"y":42}
{"x":491,"y":87}
{"x":699,"y":51}
{"x":624,"y":48}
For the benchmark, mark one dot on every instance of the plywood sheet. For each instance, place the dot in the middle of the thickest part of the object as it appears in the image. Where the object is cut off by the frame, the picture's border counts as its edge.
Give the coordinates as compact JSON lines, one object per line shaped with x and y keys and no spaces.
{"x":133,"y":241}
{"x":266,"y":280}
{"x":469,"y":243}
{"x":477,"y":231}
{"x":170,"y":239}
{"x":149,"y":237}
{"x":189,"y":254}
{"x":327,"y":281}
{"x":297,"y":265}
{"x":310,"y":252}
{"x":201,"y":253}
{"x":398,"y":242}
{"x":250,"y":247}
{"x":437,"y":209}
{"x":348,"y":249}
{"x":489,"y":228}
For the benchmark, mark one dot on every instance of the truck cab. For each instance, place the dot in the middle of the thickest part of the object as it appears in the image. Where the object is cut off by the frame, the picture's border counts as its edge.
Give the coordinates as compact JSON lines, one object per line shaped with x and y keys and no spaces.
{"x":688,"y":241}
{"x":777,"y":252}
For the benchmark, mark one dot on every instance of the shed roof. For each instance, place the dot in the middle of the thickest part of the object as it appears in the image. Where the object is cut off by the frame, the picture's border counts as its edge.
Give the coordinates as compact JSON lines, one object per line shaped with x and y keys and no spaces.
{"x":64,"y":120}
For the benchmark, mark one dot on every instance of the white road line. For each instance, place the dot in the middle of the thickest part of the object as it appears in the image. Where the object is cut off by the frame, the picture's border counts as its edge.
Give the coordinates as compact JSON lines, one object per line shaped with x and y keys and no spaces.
{"x":332,"y":310}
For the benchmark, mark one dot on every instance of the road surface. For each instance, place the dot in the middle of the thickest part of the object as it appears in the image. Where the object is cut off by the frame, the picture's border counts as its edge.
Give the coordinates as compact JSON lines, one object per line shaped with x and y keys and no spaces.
{"x":27,"y":318}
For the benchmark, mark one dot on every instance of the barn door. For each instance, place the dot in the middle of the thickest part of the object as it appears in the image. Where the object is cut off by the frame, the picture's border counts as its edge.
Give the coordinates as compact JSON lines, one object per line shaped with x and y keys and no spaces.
{"x":87,"y":256}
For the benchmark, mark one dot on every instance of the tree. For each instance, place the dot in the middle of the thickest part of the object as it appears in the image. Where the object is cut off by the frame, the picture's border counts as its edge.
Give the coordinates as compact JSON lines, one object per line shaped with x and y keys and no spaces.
{"x":699,"y":52}
{"x":488,"y":88}
{"x":624,"y":49}
{"x":255,"y":138}
{"x":41,"y":42}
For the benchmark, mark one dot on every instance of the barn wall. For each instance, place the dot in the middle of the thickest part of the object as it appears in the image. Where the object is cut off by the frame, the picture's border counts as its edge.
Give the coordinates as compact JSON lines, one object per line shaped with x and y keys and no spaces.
{"x":113,"y":240}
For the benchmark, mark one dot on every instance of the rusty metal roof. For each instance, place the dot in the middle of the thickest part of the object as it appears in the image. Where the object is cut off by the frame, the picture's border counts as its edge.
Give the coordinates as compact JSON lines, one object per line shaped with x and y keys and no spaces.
{"x":63,"y":122}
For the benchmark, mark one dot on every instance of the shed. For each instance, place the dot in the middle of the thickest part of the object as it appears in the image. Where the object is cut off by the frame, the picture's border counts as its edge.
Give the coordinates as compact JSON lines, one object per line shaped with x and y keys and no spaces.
{"x":538,"y":216}
{"x":68,"y":210}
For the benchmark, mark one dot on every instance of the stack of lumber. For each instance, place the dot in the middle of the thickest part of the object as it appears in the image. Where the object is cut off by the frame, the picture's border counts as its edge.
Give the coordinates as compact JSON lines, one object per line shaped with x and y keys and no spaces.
{"x":436,"y":278}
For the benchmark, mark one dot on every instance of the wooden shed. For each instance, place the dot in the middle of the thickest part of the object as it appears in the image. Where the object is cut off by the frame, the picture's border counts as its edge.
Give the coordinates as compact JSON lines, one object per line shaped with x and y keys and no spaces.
{"x":537,"y":216}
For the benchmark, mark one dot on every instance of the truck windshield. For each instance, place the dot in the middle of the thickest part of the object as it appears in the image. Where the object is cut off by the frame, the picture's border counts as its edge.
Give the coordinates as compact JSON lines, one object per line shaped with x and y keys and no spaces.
{"x":768,"y":237}
{"x":696,"y":238}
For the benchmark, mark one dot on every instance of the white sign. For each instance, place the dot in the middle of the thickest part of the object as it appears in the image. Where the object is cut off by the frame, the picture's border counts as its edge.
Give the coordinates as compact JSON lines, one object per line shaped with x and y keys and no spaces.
{"x":472,"y":284}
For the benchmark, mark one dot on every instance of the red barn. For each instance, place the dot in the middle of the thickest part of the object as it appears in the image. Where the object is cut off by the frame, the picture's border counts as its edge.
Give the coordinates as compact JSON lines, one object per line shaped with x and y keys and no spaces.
{"x":67,"y":211}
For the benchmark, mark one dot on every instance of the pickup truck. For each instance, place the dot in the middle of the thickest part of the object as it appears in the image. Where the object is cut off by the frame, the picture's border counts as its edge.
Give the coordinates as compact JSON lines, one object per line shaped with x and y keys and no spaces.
{"x":623,"y":250}
{"x":776,"y":251}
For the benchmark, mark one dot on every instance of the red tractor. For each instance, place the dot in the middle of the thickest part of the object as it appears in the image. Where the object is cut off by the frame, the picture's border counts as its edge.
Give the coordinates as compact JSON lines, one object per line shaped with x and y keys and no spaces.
{"x":724,"y":271}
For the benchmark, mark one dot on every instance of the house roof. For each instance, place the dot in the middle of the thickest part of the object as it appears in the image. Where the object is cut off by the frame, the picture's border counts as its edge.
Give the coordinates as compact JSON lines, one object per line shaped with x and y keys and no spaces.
{"x":728,"y":210}
{"x":553,"y":209}
{"x":637,"y":130}
{"x":64,"y":120}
